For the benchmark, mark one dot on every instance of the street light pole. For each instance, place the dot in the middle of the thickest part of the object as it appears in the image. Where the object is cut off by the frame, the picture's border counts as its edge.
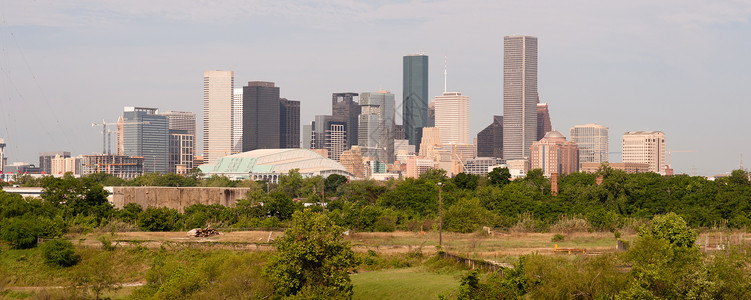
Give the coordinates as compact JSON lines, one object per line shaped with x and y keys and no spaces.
{"x":440,"y":215}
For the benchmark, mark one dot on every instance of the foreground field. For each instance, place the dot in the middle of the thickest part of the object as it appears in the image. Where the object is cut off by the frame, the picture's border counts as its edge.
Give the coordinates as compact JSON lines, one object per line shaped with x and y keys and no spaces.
{"x":409,"y":283}
{"x":479,"y":245}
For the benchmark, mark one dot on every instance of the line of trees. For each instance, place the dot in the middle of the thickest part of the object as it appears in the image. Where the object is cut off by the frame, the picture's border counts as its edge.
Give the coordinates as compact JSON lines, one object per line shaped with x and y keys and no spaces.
{"x":470,"y":202}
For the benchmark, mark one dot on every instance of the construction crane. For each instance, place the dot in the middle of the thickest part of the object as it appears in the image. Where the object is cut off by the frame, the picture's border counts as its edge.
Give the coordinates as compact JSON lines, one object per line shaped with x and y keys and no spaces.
{"x":106,"y":133}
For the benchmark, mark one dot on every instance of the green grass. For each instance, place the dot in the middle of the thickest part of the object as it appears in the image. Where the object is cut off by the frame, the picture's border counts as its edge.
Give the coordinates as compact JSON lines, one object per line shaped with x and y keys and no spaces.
{"x":409,"y":283}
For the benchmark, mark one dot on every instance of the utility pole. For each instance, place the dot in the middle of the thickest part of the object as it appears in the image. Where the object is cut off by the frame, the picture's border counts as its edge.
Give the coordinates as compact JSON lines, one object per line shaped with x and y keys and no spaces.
{"x":440,"y":216}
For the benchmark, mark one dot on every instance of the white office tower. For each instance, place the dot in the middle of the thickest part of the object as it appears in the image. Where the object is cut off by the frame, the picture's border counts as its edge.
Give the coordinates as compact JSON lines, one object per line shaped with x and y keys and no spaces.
{"x":217,"y":114}
{"x":452,"y":117}
{"x":645,"y":147}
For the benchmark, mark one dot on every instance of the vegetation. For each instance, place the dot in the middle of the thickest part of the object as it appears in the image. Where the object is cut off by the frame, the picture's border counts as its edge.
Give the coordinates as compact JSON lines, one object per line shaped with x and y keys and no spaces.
{"x":312,"y":258}
{"x":60,"y":252}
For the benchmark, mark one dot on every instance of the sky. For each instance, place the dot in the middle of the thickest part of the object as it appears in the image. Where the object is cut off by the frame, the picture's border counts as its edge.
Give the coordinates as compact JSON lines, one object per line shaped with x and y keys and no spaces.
{"x":679,"y":66}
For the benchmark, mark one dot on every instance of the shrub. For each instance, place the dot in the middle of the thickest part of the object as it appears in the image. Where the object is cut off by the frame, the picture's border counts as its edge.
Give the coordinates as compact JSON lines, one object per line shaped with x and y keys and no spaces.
{"x":558,"y":237}
{"x":158,"y":219}
{"x":60,"y":252}
{"x":21,"y":233}
{"x":568,"y":224}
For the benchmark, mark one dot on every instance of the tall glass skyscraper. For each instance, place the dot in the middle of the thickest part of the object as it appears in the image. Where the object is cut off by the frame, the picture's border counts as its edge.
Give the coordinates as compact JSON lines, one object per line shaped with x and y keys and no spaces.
{"x":415,"y":100}
{"x":519,"y":96}
{"x":376,"y":125}
{"x":261,"y":116}
{"x":146,"y":134}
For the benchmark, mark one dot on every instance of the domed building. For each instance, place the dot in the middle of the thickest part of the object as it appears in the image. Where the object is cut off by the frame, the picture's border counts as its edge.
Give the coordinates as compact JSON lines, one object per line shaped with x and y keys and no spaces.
{"x":554,"y":154}
{"x":269,"y":164}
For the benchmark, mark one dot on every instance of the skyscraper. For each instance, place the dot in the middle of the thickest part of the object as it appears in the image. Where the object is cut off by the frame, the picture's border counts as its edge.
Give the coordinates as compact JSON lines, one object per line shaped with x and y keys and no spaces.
{"x":647,"y":147}
{"x":237,"y":120}
{"x":182,"y":121}
{"x":452,"y":117}
{"x":490,"y":139}
{"x":415,"y":99}
{"x":345,"y":109}
{"x":329,"y":134}
{"x":543,"y":120}
{"x":146,"y":134}
{"x":376,"y":125}
{"x":261,"y":116}
{"x":217,"y":115}
{"x":592,"y":140}
{"x":289,"y":123}
{"x":519,"y":95}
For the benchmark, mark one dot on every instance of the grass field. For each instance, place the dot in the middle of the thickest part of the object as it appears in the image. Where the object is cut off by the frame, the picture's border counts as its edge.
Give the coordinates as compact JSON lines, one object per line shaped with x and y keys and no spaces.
{"x":409,"y":283}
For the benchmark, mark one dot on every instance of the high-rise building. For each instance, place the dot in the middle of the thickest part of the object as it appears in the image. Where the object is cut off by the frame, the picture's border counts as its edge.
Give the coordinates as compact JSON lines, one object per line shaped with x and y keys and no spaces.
{"x":647,"y":147}
{"x":182,"y":123}
{"x":181,"y":145}
{"x":431,"y":138}
{"x":146,"y":134}
{"x":237,"y":120}
{"x":352,"y":160}
{"x":376,"y":126}
{"x":543,"y":120}
{"x":554,"y":154}
{"x":345,"y":109}
{"x":399,"y":133}
{"x":217,"y":114}
{"x":261,"y":116}
{"x":289,"y":123}
{"x":452,"y":117}
{"x":330,"y":135}
{"x":61,"y":165}
{"x":592,"y":140}
{"x":519,"y":95}
{"x":45,"y":160}
{"x":415,"y":98}
{"x":490,"y":139}
{"x":307,"y":136}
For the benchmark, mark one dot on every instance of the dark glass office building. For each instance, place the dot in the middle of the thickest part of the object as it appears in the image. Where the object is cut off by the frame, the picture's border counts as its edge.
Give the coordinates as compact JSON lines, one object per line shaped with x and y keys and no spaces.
{"x":289,"y":123}
{"x":261,"y":116}
{"x":415,"y":97}
{"x":345,"y":109}
{"x":490,"y":139}
{"x":146,"y":134}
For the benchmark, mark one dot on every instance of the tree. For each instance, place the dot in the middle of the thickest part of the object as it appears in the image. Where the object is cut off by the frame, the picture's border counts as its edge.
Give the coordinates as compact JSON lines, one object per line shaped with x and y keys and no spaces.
{"x":60,"y":252}
{"x":76,"y":196}
{"x":333,"y":182}
{"x":312,"y":255}
{"x":672,"y":228}
{"x":291,"y":183}
{"x":466,"y":181}
{"x":499,"y":176}
{"x":21,"y":233}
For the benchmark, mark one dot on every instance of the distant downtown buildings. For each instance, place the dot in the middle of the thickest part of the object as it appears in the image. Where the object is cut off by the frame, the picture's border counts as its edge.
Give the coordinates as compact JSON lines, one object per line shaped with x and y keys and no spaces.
{"x":362,"y":130}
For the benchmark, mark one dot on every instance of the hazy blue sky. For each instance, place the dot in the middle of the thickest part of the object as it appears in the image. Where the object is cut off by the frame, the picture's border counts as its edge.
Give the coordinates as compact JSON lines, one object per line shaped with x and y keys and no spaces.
{"x":682,"y":67}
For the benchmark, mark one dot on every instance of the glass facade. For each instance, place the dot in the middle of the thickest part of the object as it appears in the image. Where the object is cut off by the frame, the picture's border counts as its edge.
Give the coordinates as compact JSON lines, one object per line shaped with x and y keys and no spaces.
{"x":415,"y":100}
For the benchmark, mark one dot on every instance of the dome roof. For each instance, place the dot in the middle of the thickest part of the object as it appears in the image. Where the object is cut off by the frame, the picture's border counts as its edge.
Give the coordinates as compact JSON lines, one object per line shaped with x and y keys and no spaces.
{"x":554,"y":134}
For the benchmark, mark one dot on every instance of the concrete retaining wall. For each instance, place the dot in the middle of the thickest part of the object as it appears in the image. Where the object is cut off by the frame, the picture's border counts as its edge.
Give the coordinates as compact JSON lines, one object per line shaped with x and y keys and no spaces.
{"x":175,"y":197}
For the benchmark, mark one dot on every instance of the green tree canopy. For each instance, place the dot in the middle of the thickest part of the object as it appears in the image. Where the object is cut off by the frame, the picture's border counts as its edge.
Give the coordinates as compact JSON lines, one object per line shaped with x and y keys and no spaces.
{"x":312,"y":255}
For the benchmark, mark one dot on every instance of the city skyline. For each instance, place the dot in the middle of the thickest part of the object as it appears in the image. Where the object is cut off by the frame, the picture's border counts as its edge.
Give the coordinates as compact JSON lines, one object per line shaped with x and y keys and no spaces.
{"x":64,"y":58}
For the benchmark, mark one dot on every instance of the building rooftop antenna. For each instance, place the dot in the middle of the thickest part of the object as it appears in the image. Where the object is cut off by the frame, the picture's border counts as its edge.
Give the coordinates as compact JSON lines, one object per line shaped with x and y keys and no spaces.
{"x":445,"y":74}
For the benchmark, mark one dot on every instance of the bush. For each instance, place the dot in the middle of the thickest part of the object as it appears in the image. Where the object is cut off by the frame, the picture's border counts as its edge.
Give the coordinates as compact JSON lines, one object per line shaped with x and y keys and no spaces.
{"x":158,"y":219}
{"x":60,"y":252}
{"x":558,"y":237}
{"x":21,"y":233}
{"x":568,"y":224}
